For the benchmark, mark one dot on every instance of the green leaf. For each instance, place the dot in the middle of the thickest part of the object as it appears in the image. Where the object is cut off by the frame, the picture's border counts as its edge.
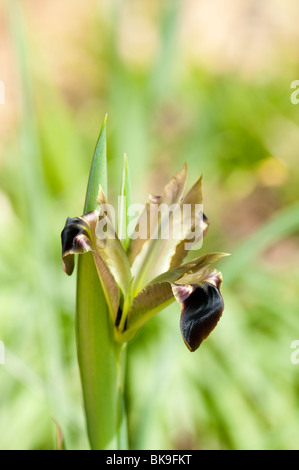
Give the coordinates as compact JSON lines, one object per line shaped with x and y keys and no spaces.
{"x":125,"y":202}
{"x":202,"y":270}
{"x":193,"y":268}
{"x":96,"y":357}
{"x":148,"y":302}
{"x":98,"y":171}
{"x":95,"y":344}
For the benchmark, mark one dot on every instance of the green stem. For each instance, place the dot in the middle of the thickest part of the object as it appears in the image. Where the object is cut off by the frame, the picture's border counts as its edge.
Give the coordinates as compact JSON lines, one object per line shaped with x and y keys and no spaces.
{"x":102,"y":364}
{"x":122,"y":426}
{"x":101,"y":358}
{"x":97,"y":357}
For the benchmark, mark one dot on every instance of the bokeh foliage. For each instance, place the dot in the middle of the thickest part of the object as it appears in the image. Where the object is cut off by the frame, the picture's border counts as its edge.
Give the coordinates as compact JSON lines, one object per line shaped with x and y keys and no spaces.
{"x":235,"y":125}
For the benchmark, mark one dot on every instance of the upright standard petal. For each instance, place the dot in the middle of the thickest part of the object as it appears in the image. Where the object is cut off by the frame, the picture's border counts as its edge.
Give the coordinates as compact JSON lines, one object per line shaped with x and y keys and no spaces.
{"x":156,"y":251}
{"x":179,"y":226}
{"x":172,"y":194}
{"x":197,"y":227}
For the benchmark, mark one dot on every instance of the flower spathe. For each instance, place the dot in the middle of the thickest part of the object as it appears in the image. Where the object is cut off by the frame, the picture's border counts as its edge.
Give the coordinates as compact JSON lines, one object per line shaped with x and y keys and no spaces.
{"x":149,"y":275}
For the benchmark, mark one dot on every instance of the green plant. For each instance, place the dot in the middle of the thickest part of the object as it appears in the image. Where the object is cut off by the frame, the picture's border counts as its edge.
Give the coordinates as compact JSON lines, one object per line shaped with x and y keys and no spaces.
{"x":124,"y":279}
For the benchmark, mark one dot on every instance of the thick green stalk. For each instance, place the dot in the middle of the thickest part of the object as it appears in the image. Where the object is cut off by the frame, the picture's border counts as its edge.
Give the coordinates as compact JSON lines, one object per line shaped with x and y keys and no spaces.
{"x":97,"y":357}
{"x":98,"y":353}
{"x":122,"y":434}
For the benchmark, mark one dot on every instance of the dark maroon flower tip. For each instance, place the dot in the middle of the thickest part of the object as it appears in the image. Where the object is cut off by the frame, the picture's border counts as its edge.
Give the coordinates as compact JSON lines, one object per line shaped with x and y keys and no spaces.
{"x":201,"y":311}
{"x":74,"y":239}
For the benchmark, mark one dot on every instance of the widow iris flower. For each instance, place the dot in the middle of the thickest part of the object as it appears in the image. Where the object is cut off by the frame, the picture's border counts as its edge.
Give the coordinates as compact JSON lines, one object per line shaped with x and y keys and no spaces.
{"x":141,"y":280}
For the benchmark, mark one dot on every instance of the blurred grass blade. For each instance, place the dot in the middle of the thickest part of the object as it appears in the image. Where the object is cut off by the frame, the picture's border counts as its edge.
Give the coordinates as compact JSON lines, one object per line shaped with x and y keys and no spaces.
{"x":282,"y":224}
{"x":96,"y":348}
{"x":34,"y":192}
{"x":60,"y":442}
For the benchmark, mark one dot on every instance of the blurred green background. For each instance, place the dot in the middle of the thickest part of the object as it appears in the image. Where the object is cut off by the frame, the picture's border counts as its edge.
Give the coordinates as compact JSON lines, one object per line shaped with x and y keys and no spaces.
{"x":204,"y":82}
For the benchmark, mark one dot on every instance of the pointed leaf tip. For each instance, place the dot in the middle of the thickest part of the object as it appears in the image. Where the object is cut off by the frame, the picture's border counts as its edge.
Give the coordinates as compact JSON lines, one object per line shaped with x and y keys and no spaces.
{"x":98,"y":171}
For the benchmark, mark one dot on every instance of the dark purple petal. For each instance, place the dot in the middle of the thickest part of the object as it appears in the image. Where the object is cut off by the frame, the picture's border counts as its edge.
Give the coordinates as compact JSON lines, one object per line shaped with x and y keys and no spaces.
{"x":201,"y":311}
{"x":75,"y":238}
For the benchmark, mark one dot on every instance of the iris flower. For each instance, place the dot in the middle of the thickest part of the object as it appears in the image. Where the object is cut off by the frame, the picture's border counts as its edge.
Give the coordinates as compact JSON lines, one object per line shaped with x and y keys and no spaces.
{"x":148,"y":275}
